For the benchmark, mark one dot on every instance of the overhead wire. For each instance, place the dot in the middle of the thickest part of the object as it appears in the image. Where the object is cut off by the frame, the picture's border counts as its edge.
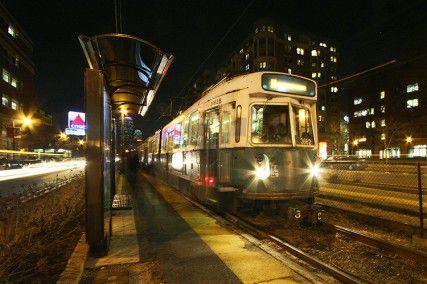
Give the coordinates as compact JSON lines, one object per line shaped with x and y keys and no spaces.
{"x":213,"y":51}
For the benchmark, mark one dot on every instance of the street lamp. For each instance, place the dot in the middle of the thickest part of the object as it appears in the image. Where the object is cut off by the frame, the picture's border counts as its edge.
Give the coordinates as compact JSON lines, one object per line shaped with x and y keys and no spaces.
{"x":408,"y":139}
{"x":81,"y":142}
{"x":63,"y":136}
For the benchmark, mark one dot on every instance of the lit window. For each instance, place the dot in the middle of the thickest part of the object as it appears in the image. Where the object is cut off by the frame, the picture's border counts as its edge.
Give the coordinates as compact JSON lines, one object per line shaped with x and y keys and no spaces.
{"x":14,"y":82}
{"x":270,"y":29}
{"x":247,"y":56}
{"x":263,"y":28}
{"x":334,"y":89}
{"x":333,"y":77}
{"x":382,"y":109}
{"x":368,"y":124}
{"x":320,"y":118}
{"x":323,"y":108}
{"x":319,"y":74}
{"x":346,"y":119}
{"x":14,"y":105}
{"x":17,"y":60}
{"x":382,"y":95}
{"x":247,"y":67}
{"x":256,"y":30}
{"x":382,"y":136}
{"x":332,"y":49}
{"x":289,"y":70}
{"x":412,"y":103}
{"x":262,"y":65}
{"x":322,"y":65}
{"x":323,"y":44}
{"x":372,"y":111}
{"x":5,"y":100}
{"x":289,"y":38}
{"x":11,"y":31}
{"x":418,"y":151}
{"x":300,"y":62}
{"x":373,"y":124}
{"x":6,"y":76}
{"x":300,"y":51}
{"x":314,"y":52}
{"x":241,"y":51}
{"x":412,"y":88}
{"x":313,"y":75}
{"x":382,"y":122}
{"x":333,"y":59}
{"x":357,"y":101}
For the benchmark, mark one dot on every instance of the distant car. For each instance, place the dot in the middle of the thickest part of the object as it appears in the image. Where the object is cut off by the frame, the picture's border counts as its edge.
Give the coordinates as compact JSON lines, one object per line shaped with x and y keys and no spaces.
{"x":6,"y":164}
{"x":345,"y":163}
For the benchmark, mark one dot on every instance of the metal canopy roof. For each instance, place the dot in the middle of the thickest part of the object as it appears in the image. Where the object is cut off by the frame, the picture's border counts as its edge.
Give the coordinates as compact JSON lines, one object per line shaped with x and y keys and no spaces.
{"x":133,"y":68}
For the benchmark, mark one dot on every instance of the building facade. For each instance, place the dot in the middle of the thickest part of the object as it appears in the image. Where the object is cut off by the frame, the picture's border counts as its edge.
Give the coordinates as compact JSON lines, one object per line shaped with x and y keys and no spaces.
{"x":17,"y":83}
{"x":388,"y":113}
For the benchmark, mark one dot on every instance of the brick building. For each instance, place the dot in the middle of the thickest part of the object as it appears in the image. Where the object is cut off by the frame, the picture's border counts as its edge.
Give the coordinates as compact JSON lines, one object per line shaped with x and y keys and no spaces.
{"x":17,"y":83}
{"x":388,"y":112}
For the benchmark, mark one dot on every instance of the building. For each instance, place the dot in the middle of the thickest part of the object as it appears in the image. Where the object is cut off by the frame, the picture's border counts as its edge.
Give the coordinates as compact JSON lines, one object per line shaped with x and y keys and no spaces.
{"x":17,"y":83}
{"x":388,"y":112}
{"x":278,"y":48}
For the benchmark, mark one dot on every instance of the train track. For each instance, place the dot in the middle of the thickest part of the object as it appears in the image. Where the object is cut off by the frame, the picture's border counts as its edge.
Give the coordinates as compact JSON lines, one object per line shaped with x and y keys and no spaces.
{"x":400,"y":250}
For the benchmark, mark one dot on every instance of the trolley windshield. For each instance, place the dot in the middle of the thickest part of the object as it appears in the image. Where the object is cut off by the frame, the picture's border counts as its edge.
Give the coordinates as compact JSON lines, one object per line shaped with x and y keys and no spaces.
{"x":270,"y":124}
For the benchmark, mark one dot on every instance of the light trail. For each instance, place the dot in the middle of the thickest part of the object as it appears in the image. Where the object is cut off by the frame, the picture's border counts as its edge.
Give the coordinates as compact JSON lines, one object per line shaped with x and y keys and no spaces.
{"x":39,"y":169}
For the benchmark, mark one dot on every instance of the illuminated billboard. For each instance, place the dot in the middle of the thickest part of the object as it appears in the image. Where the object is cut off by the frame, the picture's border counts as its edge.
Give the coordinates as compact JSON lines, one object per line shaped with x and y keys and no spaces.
{"x":76,"y":123}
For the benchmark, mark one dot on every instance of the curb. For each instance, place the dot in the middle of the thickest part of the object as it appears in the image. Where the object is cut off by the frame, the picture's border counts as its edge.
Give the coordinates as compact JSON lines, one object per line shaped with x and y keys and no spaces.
{"x":76,"y":264}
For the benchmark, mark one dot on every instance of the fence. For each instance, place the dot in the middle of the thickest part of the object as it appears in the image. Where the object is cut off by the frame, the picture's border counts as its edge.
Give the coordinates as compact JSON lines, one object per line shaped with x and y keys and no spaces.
{"x":380,"y":189}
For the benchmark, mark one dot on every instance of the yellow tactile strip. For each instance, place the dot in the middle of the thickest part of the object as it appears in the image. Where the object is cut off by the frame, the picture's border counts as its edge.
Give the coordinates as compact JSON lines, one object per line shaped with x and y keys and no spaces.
{"x":249,"y":263}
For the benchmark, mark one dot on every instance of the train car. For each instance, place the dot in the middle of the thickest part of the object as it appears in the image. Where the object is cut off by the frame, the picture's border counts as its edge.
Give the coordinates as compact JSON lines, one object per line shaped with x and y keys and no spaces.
{"x":248,"y":138}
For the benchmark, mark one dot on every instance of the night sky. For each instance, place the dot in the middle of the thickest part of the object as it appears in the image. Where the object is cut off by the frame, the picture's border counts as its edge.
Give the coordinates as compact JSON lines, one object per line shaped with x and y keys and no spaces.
{"x":367,"y":33}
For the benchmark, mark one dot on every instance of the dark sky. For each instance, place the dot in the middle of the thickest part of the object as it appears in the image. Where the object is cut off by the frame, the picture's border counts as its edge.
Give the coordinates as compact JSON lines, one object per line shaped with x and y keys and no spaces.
{"x":367,"y":32}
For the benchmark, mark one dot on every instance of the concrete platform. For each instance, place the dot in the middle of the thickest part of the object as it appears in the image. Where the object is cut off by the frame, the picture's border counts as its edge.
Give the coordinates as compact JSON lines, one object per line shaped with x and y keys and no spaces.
{"x":166,"y":239}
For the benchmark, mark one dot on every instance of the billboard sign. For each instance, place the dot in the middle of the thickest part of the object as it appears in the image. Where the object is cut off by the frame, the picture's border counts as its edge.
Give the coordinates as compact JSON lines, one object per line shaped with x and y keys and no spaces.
{"x":76,"y":123}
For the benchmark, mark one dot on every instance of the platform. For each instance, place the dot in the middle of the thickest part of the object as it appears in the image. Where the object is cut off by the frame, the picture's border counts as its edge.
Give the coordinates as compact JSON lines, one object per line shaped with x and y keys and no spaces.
{"x":179,"y":243}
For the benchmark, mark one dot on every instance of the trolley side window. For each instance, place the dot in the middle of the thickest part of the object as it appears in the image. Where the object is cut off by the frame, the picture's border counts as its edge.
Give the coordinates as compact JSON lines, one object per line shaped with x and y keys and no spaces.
{"x":225,"y":126}
{"x":185,"y":133}
{"x":270,"y":124}
{"x":303,"y":127}
{"x":194,"y":127}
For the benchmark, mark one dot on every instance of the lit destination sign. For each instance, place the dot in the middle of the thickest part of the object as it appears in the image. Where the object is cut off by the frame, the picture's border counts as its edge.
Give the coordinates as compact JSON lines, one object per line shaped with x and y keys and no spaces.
{"x":288,"y":84}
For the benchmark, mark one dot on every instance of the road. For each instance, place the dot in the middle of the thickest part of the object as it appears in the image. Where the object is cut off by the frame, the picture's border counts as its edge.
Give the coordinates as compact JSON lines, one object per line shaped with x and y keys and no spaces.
{"x":38,"y":176}
{"x":388,"y":192}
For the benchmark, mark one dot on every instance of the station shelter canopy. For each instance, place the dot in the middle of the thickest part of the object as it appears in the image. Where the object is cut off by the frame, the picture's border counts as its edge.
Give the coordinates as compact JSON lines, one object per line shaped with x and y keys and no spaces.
{"x":133,"y":69}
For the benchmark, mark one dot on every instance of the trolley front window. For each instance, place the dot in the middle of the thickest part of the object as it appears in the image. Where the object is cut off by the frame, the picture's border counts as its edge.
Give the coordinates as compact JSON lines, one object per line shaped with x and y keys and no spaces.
{"x":270,"y":124}
{"x":303,"y":127}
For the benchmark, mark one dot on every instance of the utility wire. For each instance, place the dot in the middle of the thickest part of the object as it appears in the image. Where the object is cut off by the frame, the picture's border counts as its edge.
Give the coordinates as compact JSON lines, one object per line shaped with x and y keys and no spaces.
{"x":213,"y":50}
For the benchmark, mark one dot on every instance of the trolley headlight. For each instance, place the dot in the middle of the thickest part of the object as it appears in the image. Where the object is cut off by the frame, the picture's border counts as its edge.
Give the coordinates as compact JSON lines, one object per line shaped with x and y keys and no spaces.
{"x":314,"y":170}
{"x":262,"y":170}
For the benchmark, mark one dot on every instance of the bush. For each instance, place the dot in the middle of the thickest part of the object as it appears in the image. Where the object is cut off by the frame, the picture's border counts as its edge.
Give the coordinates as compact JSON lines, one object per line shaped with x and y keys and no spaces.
{"x":37,"y":236}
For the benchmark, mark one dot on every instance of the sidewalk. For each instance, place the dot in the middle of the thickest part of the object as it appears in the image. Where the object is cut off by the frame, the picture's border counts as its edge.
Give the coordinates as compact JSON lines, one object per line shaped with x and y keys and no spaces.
{"x":122,"y":263}
{"x":166,"y":239}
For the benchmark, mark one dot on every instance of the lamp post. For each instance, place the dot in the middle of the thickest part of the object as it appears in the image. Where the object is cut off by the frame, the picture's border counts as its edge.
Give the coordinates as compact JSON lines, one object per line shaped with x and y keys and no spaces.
{"x":123,"y":113}
{"x":408,"y":141}
{"x":24,"y":122}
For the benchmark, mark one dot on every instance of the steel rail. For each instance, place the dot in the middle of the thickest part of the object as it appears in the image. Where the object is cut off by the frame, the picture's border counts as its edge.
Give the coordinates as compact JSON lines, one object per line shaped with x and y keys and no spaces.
{"x":400,"y":250}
